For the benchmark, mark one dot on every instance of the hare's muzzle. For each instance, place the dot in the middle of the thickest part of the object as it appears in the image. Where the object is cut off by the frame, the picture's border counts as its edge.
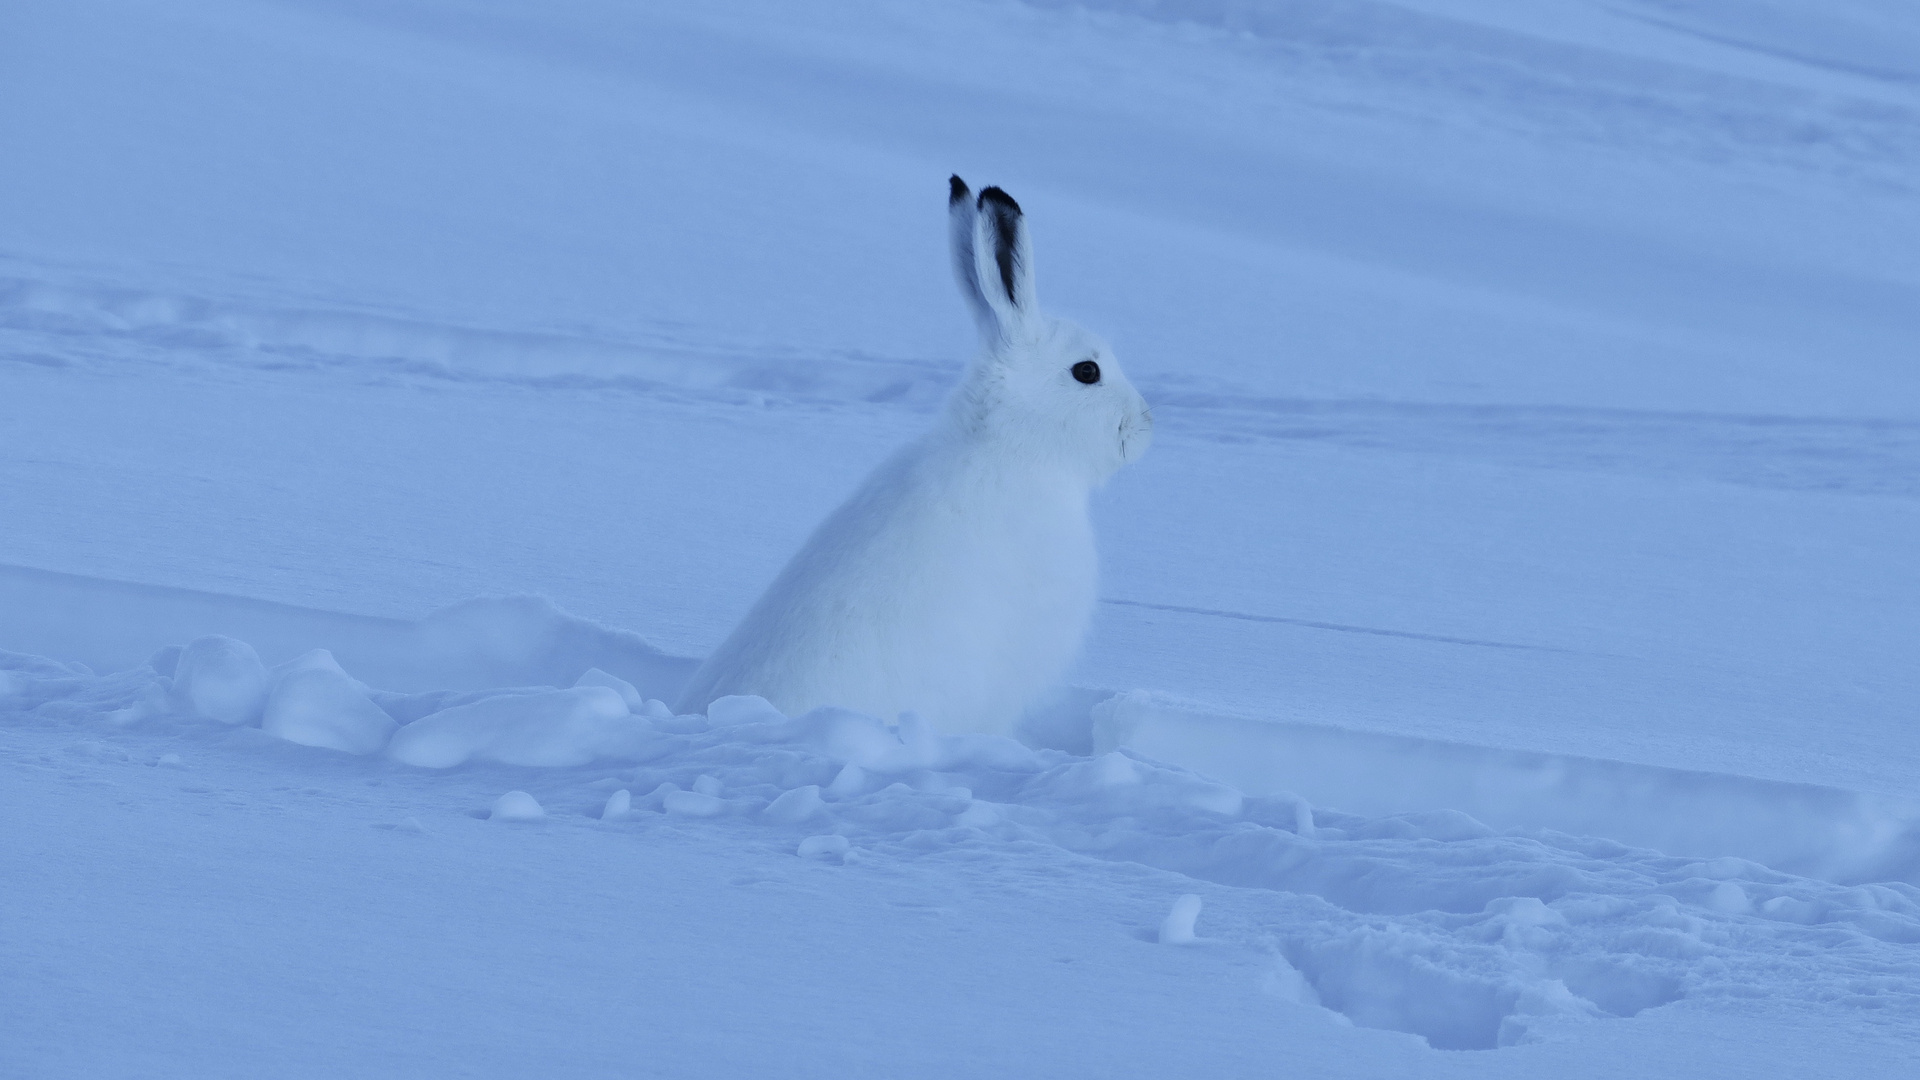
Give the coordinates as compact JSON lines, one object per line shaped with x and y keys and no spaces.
{"x":1136,"y":434}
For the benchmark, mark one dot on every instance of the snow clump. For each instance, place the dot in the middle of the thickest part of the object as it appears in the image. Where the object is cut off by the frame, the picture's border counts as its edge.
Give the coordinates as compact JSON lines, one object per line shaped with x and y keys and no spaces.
{"x":315,"y":703}
{"x":627,"y":691}
{"x":221,"y":679}
{"x":517,"y":806}
{"x":553,"y":729}
{"x":823,"y":847}
{"x":1177,"y":927}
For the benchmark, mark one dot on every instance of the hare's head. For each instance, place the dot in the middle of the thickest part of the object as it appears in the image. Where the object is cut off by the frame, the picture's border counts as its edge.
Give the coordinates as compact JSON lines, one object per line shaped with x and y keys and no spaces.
{"x":1042,"y":384}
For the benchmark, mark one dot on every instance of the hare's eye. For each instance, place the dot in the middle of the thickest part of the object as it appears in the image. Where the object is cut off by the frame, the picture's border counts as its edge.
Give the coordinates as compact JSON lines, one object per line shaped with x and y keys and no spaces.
{"x":1087,"y":372}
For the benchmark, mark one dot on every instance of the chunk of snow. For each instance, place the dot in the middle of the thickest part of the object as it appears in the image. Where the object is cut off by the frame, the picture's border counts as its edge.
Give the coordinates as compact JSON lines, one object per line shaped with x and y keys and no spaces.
{"x":1216,"y":798}
{"x":153,"y":701}
{"x":823,"y":847}
{"x":1285,"y":982}
{"x":221,"y":679}
{"x":655,"y":709}
{"x":708,"y":784}
{"x":165,"y":660}
{"x":627,"y":691}
{"x":978,"y":815}
{"x":1791,"y":909}
{"x":848,"y":782}
{"x":1303,"y":818}
{"x":742,"y":709}
{"x":865,"y":741}
{"x":693,"y":804}
{"x":690,"y":724}
{"x":796,"y":806}
{"x":1729,"y":899}
{"x":524,"y":641}
{"x":1538,"y":1006}
{"x":1113,"y":769}
{"x":619,"y":805}
{"x":517,"y":806}
{"x":1116,"y":719}
{"x":170,"y":761}
{"x":555,"y":728}
{"x":1177,"y":927}
{"x":315,"y":703}
{"x":1114,"y":779}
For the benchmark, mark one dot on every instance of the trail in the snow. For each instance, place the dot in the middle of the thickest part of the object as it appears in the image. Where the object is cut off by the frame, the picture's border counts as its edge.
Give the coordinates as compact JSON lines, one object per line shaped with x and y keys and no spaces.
{"x":45,"y":324}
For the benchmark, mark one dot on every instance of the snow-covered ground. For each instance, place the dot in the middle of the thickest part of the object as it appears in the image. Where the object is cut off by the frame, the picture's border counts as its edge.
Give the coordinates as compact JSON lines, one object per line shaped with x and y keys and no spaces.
{"x":1510,"y":639}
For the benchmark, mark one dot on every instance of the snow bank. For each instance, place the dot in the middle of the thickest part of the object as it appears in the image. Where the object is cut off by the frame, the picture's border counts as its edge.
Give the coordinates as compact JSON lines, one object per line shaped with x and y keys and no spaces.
{"x":475,"y":645}
{"x":555,"y":728}
{"x":1423,"y":921}
{"x":527,"y":641}
{"x":1823,"y":832}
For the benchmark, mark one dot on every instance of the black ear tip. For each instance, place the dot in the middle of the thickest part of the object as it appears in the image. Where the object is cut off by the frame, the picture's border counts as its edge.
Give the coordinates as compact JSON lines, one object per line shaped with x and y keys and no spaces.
{"x":956,"y":188}
{"x":999,"y":198}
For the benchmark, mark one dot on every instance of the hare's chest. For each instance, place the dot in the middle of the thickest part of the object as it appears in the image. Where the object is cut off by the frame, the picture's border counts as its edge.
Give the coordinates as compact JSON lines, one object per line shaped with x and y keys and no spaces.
{"x":1016,"y":574}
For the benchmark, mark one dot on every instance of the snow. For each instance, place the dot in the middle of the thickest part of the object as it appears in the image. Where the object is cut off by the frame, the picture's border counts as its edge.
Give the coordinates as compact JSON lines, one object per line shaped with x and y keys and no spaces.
{"x":823,"y":847}
{"x":596,"y":677}
{"x":795,"y":805}
{"x":619,"y":805}
{"x":693,"y":804}
{"x":1430,"y":923}
{"x":517,"y":806}
{"x":315,"y":703}
{"x":1508,"y":644}
{"x":1177,"y":927}
{"x":556,"y":727}
{"x":221,"y":679}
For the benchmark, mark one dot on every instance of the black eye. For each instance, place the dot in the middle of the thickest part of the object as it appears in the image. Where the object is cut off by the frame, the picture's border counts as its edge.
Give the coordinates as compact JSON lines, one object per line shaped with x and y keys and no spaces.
{"x":1087,"y":372}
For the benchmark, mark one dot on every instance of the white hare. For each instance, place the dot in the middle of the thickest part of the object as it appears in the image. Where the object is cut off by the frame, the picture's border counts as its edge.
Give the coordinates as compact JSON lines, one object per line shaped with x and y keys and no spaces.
{"x":958,"y":580}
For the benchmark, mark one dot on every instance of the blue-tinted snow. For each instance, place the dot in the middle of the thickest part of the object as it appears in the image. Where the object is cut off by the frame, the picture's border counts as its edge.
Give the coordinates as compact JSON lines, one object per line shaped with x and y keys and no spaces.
{"x":1516,"y":615}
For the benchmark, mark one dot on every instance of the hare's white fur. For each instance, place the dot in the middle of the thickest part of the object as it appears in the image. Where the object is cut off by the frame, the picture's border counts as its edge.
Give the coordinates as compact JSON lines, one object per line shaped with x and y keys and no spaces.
{"x":958,"y":580}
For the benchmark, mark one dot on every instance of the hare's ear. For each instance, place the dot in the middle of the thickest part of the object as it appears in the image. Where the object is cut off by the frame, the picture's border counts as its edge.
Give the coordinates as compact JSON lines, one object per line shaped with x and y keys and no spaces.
{"x":1003,"y":261}
{"x":961,"y":215}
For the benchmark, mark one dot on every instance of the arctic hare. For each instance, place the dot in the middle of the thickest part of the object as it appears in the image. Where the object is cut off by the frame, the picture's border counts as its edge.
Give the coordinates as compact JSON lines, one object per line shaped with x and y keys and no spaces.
{"x":958,"y":580}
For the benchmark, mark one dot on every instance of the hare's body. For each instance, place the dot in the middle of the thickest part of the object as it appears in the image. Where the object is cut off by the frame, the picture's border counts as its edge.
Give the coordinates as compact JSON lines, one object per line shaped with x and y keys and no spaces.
{"x":958,"y":580}
{"x":882,"y":610}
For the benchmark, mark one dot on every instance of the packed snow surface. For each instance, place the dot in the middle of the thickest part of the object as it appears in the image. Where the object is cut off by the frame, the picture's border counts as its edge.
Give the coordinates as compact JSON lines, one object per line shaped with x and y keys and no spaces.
{"x":1504,"y":662}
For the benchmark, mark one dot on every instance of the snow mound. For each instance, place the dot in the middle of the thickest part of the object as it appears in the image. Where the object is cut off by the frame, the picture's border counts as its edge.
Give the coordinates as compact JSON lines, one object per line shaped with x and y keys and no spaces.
{"x":693,"y":804}
{"x":823,"y":847}
{"x":527,"y":641}
{"x":795,"y":806}
{"x":221,"y":679}
{"x":517,"y":806}
{"x":315,"y":703}
{"x":619,"y":805}
{"x":552,"y":728}
{"x":627,"y":691}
